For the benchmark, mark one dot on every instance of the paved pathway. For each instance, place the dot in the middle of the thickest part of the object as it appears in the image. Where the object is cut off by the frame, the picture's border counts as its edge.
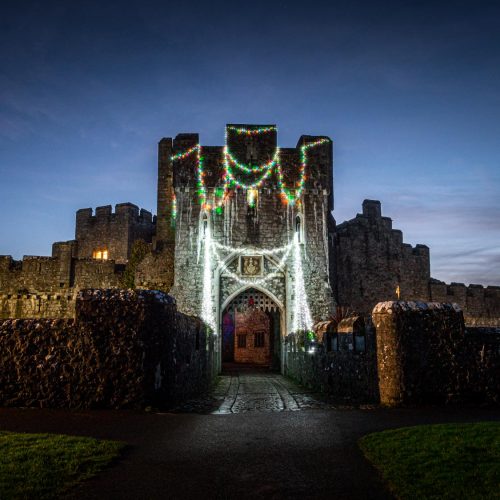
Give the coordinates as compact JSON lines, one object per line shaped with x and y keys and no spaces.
{"x":245,"y":391}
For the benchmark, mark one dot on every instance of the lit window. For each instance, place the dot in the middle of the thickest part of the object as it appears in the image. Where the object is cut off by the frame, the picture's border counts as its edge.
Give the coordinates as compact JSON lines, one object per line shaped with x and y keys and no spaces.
{"x":100,"y":254}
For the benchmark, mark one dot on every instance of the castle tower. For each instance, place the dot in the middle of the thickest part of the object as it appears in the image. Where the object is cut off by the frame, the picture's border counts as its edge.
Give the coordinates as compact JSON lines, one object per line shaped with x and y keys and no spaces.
{"x":252,"y":230}
{"x":165,"y":194}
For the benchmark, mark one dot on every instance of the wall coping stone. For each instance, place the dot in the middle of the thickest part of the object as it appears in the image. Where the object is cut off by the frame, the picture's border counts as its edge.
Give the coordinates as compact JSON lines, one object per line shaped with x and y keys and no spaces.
{"x":403,"y":305}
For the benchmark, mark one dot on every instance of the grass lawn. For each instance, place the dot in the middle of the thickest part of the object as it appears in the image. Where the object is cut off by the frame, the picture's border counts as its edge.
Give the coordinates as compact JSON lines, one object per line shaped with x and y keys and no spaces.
{"x":438,"y":461}
{"x":43,"y":466}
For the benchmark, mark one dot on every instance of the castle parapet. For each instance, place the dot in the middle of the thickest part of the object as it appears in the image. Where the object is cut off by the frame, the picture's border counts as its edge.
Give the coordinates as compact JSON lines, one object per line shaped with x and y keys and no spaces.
{"x":373,"y":263}
{"x":481,"y":305}
{"x":110,"y":235}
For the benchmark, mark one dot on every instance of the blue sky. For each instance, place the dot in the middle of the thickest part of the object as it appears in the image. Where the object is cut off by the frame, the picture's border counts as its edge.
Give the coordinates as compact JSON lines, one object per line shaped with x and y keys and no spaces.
{"x":408,"y":91}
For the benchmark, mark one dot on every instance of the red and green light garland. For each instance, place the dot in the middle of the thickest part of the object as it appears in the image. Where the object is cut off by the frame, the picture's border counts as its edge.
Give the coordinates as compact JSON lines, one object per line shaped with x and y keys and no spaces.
{"x":289,"y":195}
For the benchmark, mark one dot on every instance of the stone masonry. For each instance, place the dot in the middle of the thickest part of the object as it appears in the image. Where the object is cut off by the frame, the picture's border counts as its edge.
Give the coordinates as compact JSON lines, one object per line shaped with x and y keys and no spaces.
{"x":124,"y":350}
{"x":356,"y":264}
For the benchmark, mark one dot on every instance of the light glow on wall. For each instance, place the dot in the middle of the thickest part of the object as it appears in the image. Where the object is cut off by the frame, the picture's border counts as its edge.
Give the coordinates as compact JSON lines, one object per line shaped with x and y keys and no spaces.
{"x":302,"y":320}
{"x":100,"y":254}
{"x":207,"y":308}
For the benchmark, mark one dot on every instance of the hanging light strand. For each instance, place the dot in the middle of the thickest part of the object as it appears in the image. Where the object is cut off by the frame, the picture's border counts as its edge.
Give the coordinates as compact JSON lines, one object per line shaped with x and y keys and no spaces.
{"x":250,"y":131}
{"x":286,"y":193}
{"x":258,"y":281}
{"x":252,"y":251}
{"x":302,"y":320}
{"x":251,"y":169}
{"x":289,"y":195}
{"x":185,"y":154}
{"x":207,"y":309}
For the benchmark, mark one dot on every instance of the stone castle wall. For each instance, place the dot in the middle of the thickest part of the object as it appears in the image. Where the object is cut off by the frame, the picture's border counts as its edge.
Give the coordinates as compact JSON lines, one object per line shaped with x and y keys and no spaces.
{"x":481,"y":305}
{"x":124,"y":349}
{"x":45,"y":287}
{"x":270,"y":225}
{"x":37,"y":287}
{"x":112,"y":231}
{"x":371,"y":262}
{"x":249,"y":323}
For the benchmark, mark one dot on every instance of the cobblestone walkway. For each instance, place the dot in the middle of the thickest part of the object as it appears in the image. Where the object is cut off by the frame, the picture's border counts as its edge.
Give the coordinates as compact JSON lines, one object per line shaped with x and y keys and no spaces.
{"x":242,"y":392}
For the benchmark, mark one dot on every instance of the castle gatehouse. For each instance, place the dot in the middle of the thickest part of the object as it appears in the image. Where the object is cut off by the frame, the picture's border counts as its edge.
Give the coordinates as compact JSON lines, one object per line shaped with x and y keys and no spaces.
{"x":251,"y":224}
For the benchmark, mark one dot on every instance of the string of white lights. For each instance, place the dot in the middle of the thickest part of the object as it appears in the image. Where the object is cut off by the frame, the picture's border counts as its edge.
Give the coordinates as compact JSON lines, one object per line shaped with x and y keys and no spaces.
{"x":301,"y":314}
{"x":250,"y":282}
{"x":252,"y":251}
{"x":207,"y":310}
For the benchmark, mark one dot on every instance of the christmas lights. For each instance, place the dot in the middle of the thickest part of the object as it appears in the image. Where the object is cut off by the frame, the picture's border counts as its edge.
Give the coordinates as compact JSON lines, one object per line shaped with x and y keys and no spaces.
{"x":240,"y":184}
{"x":185,"y":154}
{"x":289,"y":195}
{"x":302,"y":320}
{"x":173,"y":215}
{"x":286,"y":192}
{"x":254,"y":281}
{"x":252,"y":195}
{"x":251,"y":169}
{"x":207,"y":309}
{"x":250,"y":131}
{"x":250,"y":250}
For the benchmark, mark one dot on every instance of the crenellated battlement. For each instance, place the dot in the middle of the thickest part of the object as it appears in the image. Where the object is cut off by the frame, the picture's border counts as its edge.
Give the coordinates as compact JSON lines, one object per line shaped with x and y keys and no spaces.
{"x":110,"y":235}
{"x":481,"y":304}
{"x":252,"y":149}
{"x":372,"y":262}
{"x":106,"y":213}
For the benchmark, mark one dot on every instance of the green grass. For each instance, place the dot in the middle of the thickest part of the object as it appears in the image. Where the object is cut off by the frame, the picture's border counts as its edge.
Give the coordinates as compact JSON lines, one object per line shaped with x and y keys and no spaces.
{"x":455,"y":461}
{"x":42,"y":466}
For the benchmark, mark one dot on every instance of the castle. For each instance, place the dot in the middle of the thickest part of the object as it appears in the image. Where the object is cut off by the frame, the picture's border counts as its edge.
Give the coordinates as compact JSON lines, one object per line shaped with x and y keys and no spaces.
{"x":244,"y":237}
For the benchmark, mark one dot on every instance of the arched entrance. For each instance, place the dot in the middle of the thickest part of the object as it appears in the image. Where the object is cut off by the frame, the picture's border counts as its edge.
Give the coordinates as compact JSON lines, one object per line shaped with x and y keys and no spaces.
{"x":251,"y":330}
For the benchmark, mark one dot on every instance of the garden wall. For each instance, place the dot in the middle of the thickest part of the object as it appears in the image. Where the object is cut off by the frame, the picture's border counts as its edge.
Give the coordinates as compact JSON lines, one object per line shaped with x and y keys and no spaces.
{"x":124,"y":349}
{"x":425,"y":355}
{"x":346,"y":375}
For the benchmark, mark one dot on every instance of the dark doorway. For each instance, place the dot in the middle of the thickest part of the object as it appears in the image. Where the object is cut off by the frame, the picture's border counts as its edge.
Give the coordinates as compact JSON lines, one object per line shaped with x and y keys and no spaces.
{"x":251,"y":330}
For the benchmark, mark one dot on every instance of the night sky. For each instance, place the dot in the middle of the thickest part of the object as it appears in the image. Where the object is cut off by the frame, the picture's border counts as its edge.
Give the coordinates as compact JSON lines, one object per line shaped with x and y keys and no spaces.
{"x":408,"y":91}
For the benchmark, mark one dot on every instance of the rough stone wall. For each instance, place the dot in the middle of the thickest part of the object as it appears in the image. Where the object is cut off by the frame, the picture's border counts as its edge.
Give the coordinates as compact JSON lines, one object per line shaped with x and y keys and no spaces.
{"x":346,"y":375}
{"x":165,"y":192}
{"x":371,"y":261}
{"x":34,"y":273}
{"x":480,"y":360}
{"x":115,"y":232}
{"x":270,"y":225}
{"x":124,"y":350}
{"x":481,"y":305}
{"x":92,"y":273}
{"x":156,"y":270}
{"x":425,"y":356}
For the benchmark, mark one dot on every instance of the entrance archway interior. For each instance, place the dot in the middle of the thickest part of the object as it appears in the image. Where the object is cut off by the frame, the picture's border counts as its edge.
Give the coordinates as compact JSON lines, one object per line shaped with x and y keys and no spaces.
{"x":251,"y":330}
